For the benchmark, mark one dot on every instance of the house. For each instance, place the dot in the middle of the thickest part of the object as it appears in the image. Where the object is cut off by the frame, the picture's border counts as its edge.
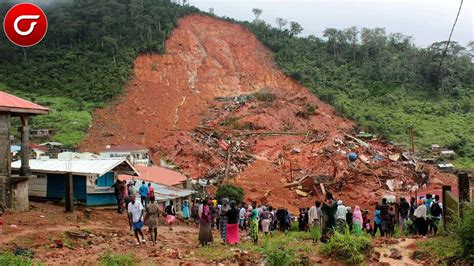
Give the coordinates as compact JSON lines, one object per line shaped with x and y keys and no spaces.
{"x":92,"y":179}
{"x":447,"y":153}
{"x":163,"y":176}
{"x":41,"y":133}
{"x":14,"y":188}
{"x":164,"y":194}
{"x":447,"y":167}
{"x":54,"y":148}
{"x":135,"y":153}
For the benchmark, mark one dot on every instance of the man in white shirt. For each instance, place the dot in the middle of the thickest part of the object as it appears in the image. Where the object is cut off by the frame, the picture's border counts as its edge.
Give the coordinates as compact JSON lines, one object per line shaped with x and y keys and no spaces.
{"x":313,"y":215}
{"x":135,"y":219}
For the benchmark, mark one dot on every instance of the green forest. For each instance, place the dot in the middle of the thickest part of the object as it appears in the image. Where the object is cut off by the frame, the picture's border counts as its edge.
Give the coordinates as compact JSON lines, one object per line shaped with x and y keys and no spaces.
{"x":379,"y":79}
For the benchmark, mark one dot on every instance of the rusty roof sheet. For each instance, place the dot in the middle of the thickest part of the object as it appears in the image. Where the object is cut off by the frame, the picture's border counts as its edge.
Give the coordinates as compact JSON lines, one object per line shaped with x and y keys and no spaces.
{"x":13,"y":104}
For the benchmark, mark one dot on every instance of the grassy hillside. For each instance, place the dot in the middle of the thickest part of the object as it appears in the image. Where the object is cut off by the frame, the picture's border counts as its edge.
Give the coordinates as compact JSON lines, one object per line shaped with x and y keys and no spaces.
{"x":385,"y":83}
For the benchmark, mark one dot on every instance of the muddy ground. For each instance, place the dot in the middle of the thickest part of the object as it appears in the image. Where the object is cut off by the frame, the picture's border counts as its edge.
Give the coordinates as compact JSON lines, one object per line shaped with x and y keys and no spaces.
{"x":57,"y":238}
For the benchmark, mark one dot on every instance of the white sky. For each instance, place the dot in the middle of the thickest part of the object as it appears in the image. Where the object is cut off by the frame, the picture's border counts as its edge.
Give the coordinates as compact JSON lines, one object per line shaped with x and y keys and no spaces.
{"x":425,"y":20}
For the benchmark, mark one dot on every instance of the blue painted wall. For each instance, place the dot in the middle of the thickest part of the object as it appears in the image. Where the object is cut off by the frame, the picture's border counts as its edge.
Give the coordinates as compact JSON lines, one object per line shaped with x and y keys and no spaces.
{"x":106,"y":180}
{"x":101,"y":199}
{"x":56,"y":187}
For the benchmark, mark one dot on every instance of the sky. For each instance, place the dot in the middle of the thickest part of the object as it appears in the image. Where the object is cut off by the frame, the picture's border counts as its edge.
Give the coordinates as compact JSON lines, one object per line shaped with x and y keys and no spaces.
{"x":427,"y":21}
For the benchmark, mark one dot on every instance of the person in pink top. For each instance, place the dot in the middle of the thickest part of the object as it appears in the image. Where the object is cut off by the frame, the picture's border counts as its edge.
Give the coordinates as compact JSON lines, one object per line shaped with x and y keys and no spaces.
{"x":357,"y":221}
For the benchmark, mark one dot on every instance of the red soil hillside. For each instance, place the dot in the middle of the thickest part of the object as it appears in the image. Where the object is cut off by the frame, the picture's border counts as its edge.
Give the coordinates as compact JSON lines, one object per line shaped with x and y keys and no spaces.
{"x":192,"y":106}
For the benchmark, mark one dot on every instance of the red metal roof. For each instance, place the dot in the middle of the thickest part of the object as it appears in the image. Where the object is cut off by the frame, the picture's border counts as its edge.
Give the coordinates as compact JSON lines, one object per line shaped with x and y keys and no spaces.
{"x":13,"y":104}
{"x":160,"y":175}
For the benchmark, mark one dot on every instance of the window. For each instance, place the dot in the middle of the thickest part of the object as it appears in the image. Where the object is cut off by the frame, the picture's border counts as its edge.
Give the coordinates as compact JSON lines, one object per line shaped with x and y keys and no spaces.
{"x":106,"y":180}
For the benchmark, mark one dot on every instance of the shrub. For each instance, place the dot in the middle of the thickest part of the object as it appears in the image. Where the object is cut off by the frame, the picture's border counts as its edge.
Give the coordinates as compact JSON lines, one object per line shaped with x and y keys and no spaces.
{"x":348,"y":248}
{"x":109,"y":259}
{"x":279,"y":255}
{"x":308,"y":111}
{"x":231,"y":192}
{"x":464,"y":231}
{"x":265,"y":95}
{"x":10,"y":259}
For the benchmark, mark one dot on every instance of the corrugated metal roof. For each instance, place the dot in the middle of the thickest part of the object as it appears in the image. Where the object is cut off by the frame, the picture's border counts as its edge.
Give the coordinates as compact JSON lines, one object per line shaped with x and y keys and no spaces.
{"x":160,"y":175}
{"x":13,"y":104}
{"x":162,"y":192}
{"x":83,"y":166}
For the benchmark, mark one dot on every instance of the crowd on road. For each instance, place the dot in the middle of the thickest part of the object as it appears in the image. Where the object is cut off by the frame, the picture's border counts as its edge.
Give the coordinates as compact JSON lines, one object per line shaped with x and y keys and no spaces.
{"x":419,"y":216}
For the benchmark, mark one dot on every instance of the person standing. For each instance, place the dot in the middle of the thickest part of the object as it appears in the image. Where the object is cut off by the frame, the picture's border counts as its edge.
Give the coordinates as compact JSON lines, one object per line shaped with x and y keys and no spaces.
{"x":170,"y":215}
{"x":341,"y":217}
{"x":223,"y":218}
{"x":436,"y":209}
{"x":151,"y":192}
{"x":205,"y":230}
{"x":195,"y":211}
{"x":349,"y":218}
{"x":420,"y":216}
{"x":377,"y":221}
{"x":385,"y":217}
{"x":312,"y":215}
{"x":143,"y":191}
{"x":118,"y":194}
{"x":404,"y":212}
{"x":242,"y":213}
{"x":135,"y":219}
{"x":281,"y":216}
{"x":151,"y":219}
{"x":357,"y":221}
{"x":232,"y":224}
{"x":254,"y":223}
{"x":265,"y":217}
{"x":329,"y":208}
{"x":185,"y":210}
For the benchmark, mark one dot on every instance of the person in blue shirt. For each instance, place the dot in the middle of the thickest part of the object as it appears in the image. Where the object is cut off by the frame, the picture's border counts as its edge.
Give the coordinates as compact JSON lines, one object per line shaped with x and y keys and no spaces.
{"x":143,"y":191}
{"x":377,"y":221}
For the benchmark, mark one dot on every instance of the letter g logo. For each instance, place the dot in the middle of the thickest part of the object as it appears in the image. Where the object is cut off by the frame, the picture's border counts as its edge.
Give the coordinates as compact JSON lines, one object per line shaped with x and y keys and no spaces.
{"x":25,"y":24}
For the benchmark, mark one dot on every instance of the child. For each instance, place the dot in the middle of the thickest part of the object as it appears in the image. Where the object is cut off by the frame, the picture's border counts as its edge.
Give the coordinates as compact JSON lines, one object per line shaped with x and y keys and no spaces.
{"x":368,"y":227}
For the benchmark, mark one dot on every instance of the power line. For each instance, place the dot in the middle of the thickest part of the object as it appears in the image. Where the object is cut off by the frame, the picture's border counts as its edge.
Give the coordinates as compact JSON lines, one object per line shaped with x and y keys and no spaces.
{"x":444,"y":54}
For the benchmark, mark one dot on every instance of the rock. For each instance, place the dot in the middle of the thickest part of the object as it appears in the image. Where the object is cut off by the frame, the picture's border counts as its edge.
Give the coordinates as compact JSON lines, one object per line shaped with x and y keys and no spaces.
{"x":395,"y":254}
{"x":59,"y":243}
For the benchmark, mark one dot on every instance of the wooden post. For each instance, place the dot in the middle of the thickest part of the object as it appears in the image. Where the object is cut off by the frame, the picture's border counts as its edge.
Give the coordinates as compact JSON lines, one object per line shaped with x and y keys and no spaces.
{"x":463,"y":186}
{"x":25,"y":151}
{"x":412,"y":144}
{"x":445,"y":190}
{"x":69,"y":193}
{"x":5,"y":159}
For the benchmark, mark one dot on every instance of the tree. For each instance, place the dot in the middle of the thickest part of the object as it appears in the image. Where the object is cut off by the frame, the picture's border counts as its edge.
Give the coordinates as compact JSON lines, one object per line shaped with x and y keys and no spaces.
{"x":295,"y":28}
{"x":211,"y":10}
{"x":281,"y":22}
{"x":331,"y":34}
{"x":231,"y":192}
{"x":257,"y":12}
{"x":352,"y":34}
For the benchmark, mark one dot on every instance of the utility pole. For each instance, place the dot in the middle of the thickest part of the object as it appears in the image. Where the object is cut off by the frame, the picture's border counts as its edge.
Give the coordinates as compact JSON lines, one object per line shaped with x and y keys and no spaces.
{"x":69,"y":193}
{"x":412,"y":144}
{"x":463,"y":186}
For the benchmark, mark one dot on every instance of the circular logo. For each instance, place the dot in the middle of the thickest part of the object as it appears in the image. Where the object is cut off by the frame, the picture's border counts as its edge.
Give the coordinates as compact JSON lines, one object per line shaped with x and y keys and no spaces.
{"x":25,"y":24}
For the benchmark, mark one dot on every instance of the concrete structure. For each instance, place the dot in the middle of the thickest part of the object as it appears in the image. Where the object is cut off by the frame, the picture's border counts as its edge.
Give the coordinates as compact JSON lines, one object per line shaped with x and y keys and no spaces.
{"x":77,"y":155}
{"x":92,"y":179}
{"x":135,"y":153}
{"x":13,"y":188}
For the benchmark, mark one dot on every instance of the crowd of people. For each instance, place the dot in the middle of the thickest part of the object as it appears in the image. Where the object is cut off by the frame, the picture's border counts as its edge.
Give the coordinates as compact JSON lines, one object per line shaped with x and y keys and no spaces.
{"x":419,"y":216}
